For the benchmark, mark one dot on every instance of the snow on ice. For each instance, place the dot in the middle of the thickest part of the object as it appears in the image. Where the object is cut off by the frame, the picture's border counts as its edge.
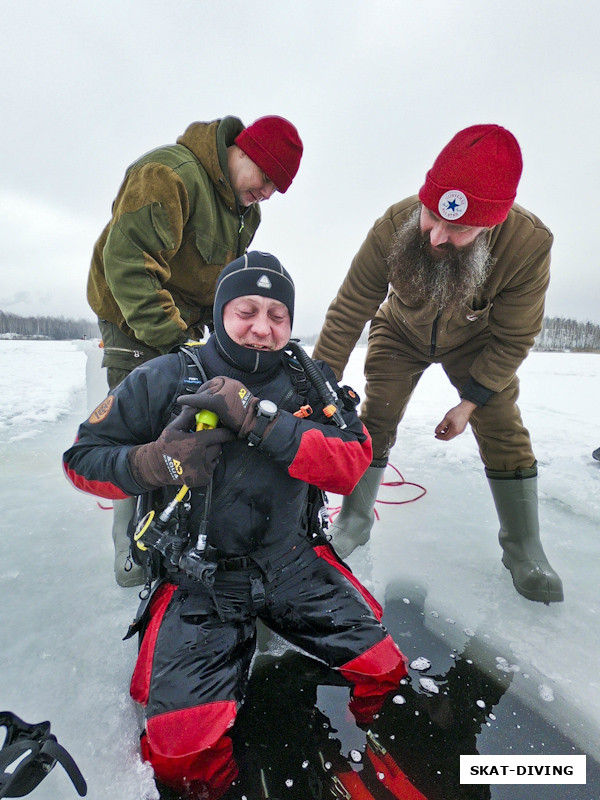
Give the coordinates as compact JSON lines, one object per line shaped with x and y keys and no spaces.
{"x":61,"y":654}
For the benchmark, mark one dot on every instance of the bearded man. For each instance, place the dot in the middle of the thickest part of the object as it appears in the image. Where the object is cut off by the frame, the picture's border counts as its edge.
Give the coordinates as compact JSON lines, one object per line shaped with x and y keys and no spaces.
{"x":455,"y":276}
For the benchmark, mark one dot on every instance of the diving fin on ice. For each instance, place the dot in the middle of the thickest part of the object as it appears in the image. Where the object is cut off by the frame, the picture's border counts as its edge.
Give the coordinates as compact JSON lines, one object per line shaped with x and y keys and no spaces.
{"x":28,"y":754}
{"x":596,"y":454}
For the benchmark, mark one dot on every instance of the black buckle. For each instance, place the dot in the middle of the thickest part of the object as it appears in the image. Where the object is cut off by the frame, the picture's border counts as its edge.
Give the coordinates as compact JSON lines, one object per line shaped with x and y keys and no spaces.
{"x":234,"y":563}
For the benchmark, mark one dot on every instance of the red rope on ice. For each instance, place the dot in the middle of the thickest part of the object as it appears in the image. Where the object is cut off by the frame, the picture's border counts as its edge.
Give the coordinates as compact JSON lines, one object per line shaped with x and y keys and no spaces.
{"x":335,"y":510}
{"x":402,"y":482}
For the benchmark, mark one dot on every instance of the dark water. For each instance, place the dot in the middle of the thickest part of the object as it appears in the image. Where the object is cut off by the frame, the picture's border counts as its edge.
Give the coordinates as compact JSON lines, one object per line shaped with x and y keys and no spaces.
{"x":295,"y":739}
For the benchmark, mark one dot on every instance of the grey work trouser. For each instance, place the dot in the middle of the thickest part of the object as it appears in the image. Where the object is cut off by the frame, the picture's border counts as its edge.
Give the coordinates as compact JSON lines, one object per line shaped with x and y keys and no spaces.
{"x":393,"y":368}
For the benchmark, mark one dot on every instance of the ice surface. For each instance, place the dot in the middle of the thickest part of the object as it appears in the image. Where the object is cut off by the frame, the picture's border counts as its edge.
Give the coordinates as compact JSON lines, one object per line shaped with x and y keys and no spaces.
{"x":63,"y":616}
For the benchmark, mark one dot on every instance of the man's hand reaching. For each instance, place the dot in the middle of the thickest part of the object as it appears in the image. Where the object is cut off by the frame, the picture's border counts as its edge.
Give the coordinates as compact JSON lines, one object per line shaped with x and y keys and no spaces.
{"x":455,"y":421}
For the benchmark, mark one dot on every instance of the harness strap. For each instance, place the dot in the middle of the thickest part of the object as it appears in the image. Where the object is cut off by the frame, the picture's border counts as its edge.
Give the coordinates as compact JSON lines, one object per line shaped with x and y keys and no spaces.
{"x":235,"y":564}
{"x":297,"y":375}
{"x":191,"y":382}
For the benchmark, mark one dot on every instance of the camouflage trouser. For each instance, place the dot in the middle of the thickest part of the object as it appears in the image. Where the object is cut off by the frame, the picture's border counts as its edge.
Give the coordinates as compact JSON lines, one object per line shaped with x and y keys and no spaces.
{"x":121,"y":354}
{"x":393,"y":368}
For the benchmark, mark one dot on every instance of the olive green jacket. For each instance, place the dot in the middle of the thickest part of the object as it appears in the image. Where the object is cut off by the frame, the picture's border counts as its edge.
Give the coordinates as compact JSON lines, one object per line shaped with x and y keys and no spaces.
{"x":175,"y":225}
{"x":506,"y":314}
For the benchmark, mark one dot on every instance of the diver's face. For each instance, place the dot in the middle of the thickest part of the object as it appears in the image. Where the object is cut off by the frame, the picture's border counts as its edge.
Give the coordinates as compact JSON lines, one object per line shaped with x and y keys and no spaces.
{"x":257,"y":322}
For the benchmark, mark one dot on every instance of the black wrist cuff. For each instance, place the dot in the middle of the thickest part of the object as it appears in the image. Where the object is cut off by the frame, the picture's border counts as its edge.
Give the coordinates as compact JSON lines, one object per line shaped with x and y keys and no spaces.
{"x":476,"y":393}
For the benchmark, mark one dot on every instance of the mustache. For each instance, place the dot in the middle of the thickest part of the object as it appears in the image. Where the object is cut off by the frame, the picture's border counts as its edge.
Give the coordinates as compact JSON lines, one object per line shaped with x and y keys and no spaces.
{"x":446,"y":247}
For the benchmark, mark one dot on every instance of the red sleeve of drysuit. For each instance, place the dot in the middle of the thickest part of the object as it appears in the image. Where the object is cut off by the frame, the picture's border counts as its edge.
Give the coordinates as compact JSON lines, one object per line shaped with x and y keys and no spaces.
{"x":99,"y":488}
{"x":98,"y":468}
{"x":331,"y":462}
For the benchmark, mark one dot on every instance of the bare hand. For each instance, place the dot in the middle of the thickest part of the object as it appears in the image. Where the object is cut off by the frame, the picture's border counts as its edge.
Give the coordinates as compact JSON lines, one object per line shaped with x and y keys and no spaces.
{"x":455,"y":421}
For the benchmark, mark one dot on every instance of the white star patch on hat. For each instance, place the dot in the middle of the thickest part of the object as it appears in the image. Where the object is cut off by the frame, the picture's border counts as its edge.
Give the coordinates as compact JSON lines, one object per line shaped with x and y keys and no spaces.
{"x":263,"y":282}
{"x":453,"y":204}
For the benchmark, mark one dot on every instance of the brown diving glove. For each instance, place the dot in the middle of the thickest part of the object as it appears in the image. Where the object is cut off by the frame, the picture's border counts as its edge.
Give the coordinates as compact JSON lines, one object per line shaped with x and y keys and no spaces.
{"x":179,"y":455}
{"x":230,"y":400}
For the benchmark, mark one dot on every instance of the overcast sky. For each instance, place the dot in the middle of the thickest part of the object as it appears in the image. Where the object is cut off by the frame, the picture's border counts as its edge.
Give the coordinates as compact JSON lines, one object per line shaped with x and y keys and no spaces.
{"x":376,"y":88}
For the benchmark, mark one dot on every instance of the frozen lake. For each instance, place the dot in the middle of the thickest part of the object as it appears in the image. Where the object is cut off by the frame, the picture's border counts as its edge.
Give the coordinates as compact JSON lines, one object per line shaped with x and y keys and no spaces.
{"x":511,"y":675}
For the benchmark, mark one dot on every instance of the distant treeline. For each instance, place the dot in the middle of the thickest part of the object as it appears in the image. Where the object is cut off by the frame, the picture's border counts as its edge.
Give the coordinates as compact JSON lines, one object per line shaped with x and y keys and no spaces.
{"x":557,"y":333}
{"x":12,"y":325}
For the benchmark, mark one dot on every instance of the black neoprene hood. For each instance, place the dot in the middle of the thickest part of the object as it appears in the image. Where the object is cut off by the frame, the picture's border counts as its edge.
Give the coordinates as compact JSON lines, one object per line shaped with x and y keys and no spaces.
{"x":253,"y":273}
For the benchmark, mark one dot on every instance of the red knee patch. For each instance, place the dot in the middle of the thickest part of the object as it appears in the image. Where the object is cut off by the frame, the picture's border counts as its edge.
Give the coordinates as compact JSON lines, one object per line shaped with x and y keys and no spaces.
{"x":190,"y":730}
{"x":209,"y":773}
{"x":376,"y":671}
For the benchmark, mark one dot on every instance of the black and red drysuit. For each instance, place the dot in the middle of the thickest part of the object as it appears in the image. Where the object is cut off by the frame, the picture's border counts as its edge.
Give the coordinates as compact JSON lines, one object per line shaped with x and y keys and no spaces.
{"x":195,"y":655}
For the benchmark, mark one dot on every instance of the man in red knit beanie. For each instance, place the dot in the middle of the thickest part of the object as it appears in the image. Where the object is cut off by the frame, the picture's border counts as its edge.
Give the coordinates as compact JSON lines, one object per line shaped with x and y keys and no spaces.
{"x":457,"y":276}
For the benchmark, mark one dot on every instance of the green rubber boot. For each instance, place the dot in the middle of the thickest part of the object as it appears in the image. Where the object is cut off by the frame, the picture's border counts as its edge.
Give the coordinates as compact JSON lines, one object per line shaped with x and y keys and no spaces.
{"x":516,"y":499}
{"x":126,"y":572}
{"x":352,"y":526}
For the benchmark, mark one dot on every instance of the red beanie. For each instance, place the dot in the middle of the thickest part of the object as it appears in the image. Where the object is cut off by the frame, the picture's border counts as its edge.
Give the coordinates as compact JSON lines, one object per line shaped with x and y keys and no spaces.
{"x":474,"y":179}
{"x":273,"y":143}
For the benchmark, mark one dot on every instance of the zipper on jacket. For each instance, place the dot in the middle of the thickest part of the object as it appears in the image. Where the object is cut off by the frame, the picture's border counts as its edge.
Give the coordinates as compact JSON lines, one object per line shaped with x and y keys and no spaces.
{"x":434,"y":334}
{"x":134,"y":353}
{"x":241,"y":216}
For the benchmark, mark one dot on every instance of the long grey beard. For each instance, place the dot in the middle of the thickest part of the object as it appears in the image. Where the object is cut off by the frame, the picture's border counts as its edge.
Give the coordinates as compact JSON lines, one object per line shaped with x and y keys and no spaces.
{"x":450,"y":281}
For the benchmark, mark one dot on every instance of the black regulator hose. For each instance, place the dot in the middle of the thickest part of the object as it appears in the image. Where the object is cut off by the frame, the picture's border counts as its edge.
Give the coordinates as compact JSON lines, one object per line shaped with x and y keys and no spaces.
{"x":331,"y":402}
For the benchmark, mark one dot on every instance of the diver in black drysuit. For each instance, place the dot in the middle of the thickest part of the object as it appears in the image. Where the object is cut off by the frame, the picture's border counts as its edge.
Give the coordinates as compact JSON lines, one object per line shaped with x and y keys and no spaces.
{"x":258,"y":559}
